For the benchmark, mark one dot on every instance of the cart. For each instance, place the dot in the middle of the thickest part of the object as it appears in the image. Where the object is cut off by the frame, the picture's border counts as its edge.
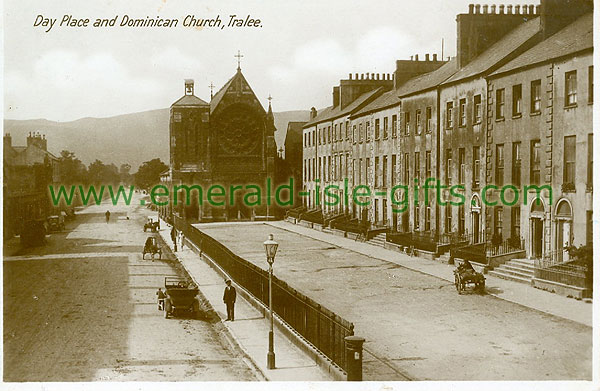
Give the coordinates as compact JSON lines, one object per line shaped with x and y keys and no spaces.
{"x":153,"y":226}
{"x":465,"y":275}
{"x":181,"y":298}
{"x":152,"y":247}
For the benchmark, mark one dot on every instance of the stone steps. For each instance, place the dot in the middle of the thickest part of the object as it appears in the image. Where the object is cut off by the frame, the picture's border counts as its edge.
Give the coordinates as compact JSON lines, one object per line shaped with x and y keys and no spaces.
{"x":520,"y":270}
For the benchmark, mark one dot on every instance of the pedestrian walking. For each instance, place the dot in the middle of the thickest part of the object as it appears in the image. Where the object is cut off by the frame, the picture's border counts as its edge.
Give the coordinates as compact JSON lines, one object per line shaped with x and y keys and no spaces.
{"x":107,"y":214}
{"x":181,"y":237}
{"x":161,"y":299}
{"x":174,"y":238}
{"x":229,"y":299}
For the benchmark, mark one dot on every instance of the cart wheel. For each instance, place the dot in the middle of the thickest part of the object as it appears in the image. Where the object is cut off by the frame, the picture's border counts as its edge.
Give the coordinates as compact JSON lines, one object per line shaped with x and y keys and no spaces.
{"x":459,"y":287}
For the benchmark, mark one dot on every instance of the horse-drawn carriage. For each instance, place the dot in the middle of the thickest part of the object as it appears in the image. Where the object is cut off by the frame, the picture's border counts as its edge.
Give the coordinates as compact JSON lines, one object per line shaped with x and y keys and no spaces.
{"x":152,"y":225}
{"x":465,"y":275}
{"x":180,"y":298}
{"x":152,"y":247}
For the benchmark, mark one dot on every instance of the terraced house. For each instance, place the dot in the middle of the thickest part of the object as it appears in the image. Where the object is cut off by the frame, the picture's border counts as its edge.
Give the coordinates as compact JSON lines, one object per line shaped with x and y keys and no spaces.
{"x":507,"y":122}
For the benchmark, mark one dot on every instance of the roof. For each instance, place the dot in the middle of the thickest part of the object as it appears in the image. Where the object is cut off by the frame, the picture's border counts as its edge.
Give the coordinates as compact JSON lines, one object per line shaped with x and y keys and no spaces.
{"x":576,"y":37}
{"x":189,"y":100}
{"x":499,"y":50}
{"x":335,"y":112}
{"x":218,"y":97}
{"x":389,"y":98}
{"x":428,"y":80}
{"x":294,"y":131}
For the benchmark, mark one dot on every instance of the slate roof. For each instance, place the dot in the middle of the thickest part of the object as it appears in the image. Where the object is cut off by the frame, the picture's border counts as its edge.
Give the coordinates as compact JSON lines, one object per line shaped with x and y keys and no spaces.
{"x":499,"y":50}
{"x":189,"y":100}
{"x":335,"y":112}
{"x":428,"y":80}
{"x":574,"y":38}
{"x":216,"y":99}
{"x":389,"y":98}
{"x":294,"y":131}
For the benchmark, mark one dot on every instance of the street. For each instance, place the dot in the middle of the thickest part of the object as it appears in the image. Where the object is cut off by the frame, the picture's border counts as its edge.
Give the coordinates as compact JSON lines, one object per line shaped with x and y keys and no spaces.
{"x":83,"y":308}
{"x":415,"y":325}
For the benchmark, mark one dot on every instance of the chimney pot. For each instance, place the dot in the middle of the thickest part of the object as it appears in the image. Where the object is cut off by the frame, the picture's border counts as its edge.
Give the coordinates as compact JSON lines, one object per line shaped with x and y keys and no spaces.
{"x":537,"y":9}
{"x":372,"y":76}
{"x":362,"y":76}
{"x":349,"y":76}
{"x":471,"y":8}
{"x":501,"y":9}
{"x":517,"y":9}
{"x":411,"y":58}
{"x":531,"y":9}
{"x":485,"y":9}
{"x":525,"y":9}
{"x":416,"y":57}
{"x":434,"y":56}
{"x":426,"y":56}
{"x":509,"y":9}
{"x":477,"y":8}
{"x":493,"y":11}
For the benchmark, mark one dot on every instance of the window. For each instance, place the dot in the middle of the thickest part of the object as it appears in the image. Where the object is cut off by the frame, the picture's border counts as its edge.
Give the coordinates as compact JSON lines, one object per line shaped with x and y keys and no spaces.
{"x":347,"y":130}
{"x":177,"y":116}
{"x":589,"y":238}
{"x":500,"y":103}
{"x":591,"y":84}
{"x":314,"y":137}
{"x":536,"y":97}
{"x":360,"y":165}
{"x":498,"y":220}
{"x":393,"y":170}
{"x":571,"y":88}
{"x":500,"y":164}
{"x":462,"y":112}
{"x":354,"y":135}
{"x":448,"y":218}
{"x":515,"y":222}
{"x":516,"y":164}
{"x":448,"y":167}
{"x":449,"y":109}
{"x":427,"y":164}
{"x":417,"y":166}
{"x":385,"y":127}
{"x":377,"y":129}
{"x":329,"y":134}
{"x":368,"y":171}
{"x":477,"y":109}
{"x":569,"y":161}
{"x":384,"y":172}
{"x":328,"y":172}
{"x":428,"y":120}
{"x":376,"y":171}
{"x":394,"y":125}
{"x":461,"y":166}
{"x":418,"y":124}
{"x":461,"y":219}
{"x":476,"y":167}
{"x":406,"y":169}
{"x":428,"y":218}
{"x":534,"y":156}
{"x":590,"y":166}
{"x":417,"y":216}
{"x":406,"y":123}
{"x":361,"y":134}
{"x":368,"y":131}
{"x":335,"y":132}
{"x":517,"y":98}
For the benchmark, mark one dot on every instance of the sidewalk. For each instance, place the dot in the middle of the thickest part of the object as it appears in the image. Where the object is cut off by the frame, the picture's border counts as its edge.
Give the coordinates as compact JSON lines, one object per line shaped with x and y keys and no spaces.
{"x":250,"y":329}
{"x":526,"y":295}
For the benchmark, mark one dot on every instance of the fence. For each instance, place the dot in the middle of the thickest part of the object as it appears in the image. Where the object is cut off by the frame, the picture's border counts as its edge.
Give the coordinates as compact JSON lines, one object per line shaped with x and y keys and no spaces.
{"x":320,"y":326}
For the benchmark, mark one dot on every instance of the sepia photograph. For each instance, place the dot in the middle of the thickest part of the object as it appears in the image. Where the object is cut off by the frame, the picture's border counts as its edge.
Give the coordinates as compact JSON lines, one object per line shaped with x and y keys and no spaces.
{"x":228,"y":194}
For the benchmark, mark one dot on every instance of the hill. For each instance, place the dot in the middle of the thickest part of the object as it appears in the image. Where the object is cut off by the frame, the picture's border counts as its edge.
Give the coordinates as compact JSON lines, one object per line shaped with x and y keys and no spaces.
{"x":128,"y":138}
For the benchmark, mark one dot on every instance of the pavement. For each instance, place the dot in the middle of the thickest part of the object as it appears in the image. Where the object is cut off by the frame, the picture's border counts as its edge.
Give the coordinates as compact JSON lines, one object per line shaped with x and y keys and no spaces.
{"x":250,"y":329}
{"x":411,"y":316}
{"x":568,"y":308}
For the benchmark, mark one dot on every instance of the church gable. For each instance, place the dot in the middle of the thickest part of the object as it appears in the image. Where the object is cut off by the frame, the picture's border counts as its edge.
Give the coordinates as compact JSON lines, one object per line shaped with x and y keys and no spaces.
{"x":236,"y":90}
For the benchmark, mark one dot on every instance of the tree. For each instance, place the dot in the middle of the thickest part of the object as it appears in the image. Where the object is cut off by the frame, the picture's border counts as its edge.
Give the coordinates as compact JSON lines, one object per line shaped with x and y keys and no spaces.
{"x":72,"y":170}
{"x":101,"y":174}
{"x":148,"y":173}
{"x":124,"y":173}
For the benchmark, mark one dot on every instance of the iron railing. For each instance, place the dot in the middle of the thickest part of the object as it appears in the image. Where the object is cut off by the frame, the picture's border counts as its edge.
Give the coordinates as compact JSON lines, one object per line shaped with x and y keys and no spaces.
{"x":317,"y":324}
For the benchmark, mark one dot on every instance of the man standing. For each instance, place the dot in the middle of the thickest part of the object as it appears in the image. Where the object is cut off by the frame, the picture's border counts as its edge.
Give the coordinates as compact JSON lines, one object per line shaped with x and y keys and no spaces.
{"x":107,"y":214}
{"x":229,"y":299}
{"x":161,"y":299}
{"x":174,"y":238}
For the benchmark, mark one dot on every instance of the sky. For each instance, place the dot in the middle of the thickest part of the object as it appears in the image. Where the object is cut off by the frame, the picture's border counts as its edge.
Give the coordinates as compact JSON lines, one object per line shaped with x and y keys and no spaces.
{"x":302,"y":49}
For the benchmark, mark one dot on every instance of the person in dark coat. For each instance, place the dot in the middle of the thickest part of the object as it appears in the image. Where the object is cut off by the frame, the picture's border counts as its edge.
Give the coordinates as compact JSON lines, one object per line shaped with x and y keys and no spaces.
{"x":229,"y":299}
{"x":174,"y":238}
{"x":161,"y":299}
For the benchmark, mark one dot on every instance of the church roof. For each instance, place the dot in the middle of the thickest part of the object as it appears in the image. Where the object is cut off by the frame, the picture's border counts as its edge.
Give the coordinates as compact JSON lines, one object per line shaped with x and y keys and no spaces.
{"x":503,"y":48}
{"x":575,"y":37}
{"x":218,"y":97}
{"x":189,"y":100}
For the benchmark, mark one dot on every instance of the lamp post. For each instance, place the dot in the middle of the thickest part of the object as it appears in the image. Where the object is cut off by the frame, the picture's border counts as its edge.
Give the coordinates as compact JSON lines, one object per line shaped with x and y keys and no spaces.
{"x":271,"y":250}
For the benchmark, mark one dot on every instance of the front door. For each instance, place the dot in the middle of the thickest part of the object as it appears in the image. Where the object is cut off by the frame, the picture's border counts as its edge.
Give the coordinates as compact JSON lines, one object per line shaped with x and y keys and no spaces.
{"x":537,"y":237}
{"x":475,"y":225}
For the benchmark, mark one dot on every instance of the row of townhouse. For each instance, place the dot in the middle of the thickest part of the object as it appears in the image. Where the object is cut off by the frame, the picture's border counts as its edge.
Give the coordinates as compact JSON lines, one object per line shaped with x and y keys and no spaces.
{"x":513,"y":109}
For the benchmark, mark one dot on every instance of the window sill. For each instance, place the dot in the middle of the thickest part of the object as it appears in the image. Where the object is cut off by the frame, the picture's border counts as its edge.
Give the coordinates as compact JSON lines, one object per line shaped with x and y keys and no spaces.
{"x":462,"y":126}
{"x":589,"y":189}
{"x":535,"y":113}
{"x":571,"y":106}
{"x":568,"y":188}
{"x":477,"y":123}
{"x":500,"y":119}
{"x":517,"y":116}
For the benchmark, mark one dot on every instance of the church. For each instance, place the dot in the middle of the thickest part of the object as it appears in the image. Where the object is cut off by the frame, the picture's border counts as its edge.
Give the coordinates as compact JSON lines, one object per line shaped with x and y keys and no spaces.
{"x":228,"y":142}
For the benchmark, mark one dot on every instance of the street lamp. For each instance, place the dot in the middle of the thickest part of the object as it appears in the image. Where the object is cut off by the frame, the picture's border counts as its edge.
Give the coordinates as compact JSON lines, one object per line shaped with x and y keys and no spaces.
{"x":271,"y":250}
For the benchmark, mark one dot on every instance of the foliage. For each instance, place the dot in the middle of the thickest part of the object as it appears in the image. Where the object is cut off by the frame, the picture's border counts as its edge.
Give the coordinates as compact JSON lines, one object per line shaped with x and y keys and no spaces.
{"x":101,"y":174}
{"x":148,"y":173}
{"x":72,"y":170}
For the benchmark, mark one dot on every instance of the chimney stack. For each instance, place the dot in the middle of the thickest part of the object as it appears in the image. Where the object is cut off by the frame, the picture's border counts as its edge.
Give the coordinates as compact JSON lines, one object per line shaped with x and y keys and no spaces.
{"x":313,"y":113}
